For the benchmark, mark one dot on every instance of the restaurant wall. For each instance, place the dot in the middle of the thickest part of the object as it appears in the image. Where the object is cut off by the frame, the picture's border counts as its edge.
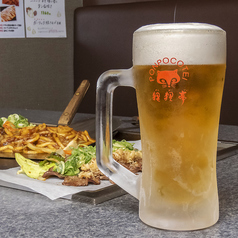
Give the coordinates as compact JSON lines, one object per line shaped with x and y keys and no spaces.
{"x":38,"y":73}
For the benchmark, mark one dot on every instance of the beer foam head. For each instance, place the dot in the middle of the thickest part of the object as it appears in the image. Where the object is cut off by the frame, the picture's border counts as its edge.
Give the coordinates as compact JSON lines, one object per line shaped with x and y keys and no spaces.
{"x":192,"y":43}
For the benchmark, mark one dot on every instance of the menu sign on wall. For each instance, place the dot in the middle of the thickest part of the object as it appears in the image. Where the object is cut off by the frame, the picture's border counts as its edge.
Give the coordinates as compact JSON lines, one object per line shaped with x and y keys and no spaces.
{"x":12,"y":19}
{"x":45,"y":18}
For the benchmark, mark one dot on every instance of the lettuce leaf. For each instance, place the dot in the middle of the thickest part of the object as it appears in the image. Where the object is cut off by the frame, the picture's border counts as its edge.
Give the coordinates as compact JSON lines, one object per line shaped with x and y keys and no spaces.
{"x":31,"y":168}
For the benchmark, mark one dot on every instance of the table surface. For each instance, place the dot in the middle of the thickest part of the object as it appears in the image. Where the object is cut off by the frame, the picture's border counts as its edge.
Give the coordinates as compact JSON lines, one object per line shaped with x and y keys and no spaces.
{"x":26,"y":214}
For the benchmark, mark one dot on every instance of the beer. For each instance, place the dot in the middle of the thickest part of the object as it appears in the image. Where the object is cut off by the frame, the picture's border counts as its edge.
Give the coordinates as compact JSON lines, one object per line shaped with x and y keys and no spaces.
{"x":179,"y":139}
{"x":178,"y":73}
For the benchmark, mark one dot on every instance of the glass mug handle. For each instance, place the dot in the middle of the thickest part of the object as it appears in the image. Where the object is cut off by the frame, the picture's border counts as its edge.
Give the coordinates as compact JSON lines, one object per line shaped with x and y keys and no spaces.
{"x":106,"y":85}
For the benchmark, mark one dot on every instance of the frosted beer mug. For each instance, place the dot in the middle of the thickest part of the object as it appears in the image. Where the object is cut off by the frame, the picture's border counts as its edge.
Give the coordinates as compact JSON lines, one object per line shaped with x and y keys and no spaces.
{"x":178,"y":73}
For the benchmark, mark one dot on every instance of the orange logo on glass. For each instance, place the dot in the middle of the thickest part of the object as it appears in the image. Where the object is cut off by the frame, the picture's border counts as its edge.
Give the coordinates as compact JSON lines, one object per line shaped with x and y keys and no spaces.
{"x":169,"y":76}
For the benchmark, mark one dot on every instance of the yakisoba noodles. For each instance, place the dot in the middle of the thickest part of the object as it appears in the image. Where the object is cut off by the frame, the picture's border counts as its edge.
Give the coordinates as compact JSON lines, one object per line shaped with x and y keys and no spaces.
{"x":40,"y":138}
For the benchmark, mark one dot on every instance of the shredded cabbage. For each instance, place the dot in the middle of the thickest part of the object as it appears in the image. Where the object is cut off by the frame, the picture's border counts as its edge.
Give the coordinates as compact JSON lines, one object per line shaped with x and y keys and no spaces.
{"x":17,"y":120}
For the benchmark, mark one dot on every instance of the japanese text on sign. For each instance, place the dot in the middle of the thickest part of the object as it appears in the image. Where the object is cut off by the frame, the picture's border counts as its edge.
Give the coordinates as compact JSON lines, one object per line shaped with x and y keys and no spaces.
{"x":45,"y":18}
